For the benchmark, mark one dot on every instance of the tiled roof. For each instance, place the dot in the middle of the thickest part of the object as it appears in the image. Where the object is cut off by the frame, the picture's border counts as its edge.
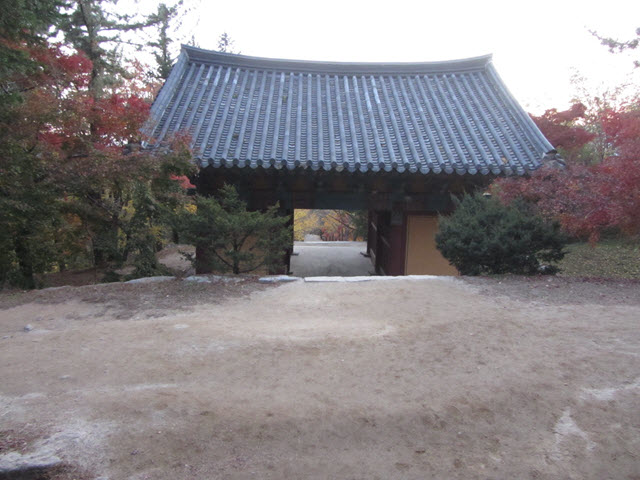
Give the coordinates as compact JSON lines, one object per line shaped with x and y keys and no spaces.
{"x":454,"y":116}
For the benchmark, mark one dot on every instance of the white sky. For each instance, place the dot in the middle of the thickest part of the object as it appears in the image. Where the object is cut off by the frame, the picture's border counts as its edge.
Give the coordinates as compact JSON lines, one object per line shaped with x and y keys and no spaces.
{"x":537,"y":45}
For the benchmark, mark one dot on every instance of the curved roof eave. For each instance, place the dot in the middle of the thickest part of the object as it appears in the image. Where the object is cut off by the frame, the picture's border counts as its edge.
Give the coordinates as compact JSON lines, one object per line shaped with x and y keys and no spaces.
{"x":343,"y":68}
{"x":455,"y":115}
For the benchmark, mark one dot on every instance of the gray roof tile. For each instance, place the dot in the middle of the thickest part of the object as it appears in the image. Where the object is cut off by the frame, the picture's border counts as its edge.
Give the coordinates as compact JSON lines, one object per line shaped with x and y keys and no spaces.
{"x":454,"y":116}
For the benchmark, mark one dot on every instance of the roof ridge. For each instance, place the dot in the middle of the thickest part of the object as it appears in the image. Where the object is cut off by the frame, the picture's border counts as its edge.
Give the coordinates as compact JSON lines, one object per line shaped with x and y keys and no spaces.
{"x":316,"y":66}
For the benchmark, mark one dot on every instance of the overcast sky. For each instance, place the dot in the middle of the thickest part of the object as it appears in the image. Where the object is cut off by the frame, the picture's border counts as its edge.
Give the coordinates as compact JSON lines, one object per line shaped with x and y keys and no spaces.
{"x":537,"y":46}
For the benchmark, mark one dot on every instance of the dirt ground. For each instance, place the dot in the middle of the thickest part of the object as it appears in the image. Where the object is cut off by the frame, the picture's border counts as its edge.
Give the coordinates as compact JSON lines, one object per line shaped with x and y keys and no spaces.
{"x":409,"y":379}
{"x":330,"y":259}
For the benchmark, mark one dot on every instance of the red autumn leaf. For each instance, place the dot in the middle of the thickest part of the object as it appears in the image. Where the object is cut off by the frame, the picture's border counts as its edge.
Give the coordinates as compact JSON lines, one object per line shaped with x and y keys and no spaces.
{"x":183,"y":181}
{"x":564,"y":131}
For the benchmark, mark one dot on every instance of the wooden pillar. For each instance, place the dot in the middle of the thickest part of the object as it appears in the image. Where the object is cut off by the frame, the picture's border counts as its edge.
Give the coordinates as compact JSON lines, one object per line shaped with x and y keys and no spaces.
{"x":381,"y":243}
{"x":397,"y":243}
{"x":286,"y":261}
{"x":371,"y":233}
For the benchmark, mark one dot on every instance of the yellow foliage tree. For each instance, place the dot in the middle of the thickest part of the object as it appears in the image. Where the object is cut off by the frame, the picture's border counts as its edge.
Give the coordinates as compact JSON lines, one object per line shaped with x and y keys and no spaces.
{"x":305,"y":222}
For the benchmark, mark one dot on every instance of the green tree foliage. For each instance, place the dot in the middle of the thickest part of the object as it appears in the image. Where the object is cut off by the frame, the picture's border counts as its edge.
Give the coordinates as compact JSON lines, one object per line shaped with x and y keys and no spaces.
{"x":99,"y":29}
{"x":165,"y":19}
{"x":616,"y":45}
{"x":231,"y":238}
{"x":28,"y":19}
{"x":154,"y":204}
{"x":106,"y":126}
{"x":73,"y":177}
{"x":22,"y":23}
{"x":484,"y":236}
{"x":30,"y":217}
{"x":226,"y":44}
{"x":62,"y":189}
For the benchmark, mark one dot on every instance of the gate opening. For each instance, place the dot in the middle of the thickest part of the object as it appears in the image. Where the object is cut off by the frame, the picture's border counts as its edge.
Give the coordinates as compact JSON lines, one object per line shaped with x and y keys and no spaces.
{"x":330,"y":243}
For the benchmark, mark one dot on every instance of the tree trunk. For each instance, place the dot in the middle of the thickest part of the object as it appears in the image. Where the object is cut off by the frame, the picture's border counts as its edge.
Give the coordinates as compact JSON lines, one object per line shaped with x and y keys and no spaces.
{"x":236,"y":266}
{"x":203,"y":262}
{"x":25,"y":262}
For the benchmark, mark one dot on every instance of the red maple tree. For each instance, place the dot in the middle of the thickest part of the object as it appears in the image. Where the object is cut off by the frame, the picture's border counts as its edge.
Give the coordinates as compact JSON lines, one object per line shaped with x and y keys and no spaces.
{"x":589,"y":199}
{"x":88,"y":147}
{"x":565,"y":130}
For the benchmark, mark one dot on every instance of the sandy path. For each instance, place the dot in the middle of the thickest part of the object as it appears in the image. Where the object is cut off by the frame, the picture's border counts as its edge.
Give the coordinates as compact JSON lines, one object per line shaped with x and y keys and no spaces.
{"x":325,"y":259}
{"x":404,"y":379}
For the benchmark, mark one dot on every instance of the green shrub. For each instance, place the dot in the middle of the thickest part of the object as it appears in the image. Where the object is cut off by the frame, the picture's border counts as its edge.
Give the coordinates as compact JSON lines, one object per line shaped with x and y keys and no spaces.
{"x":484,"y":236}
{"x":230,"y":238}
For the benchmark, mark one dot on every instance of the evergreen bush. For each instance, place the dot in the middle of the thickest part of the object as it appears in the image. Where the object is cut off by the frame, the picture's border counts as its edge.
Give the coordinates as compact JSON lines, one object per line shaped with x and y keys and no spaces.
{"x":485,"y":236}
{"x":230,"y":238}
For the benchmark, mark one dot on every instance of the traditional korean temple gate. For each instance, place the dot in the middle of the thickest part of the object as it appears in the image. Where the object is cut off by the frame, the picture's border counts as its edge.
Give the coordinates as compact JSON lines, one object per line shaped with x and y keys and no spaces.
{"x":396,"y":139}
